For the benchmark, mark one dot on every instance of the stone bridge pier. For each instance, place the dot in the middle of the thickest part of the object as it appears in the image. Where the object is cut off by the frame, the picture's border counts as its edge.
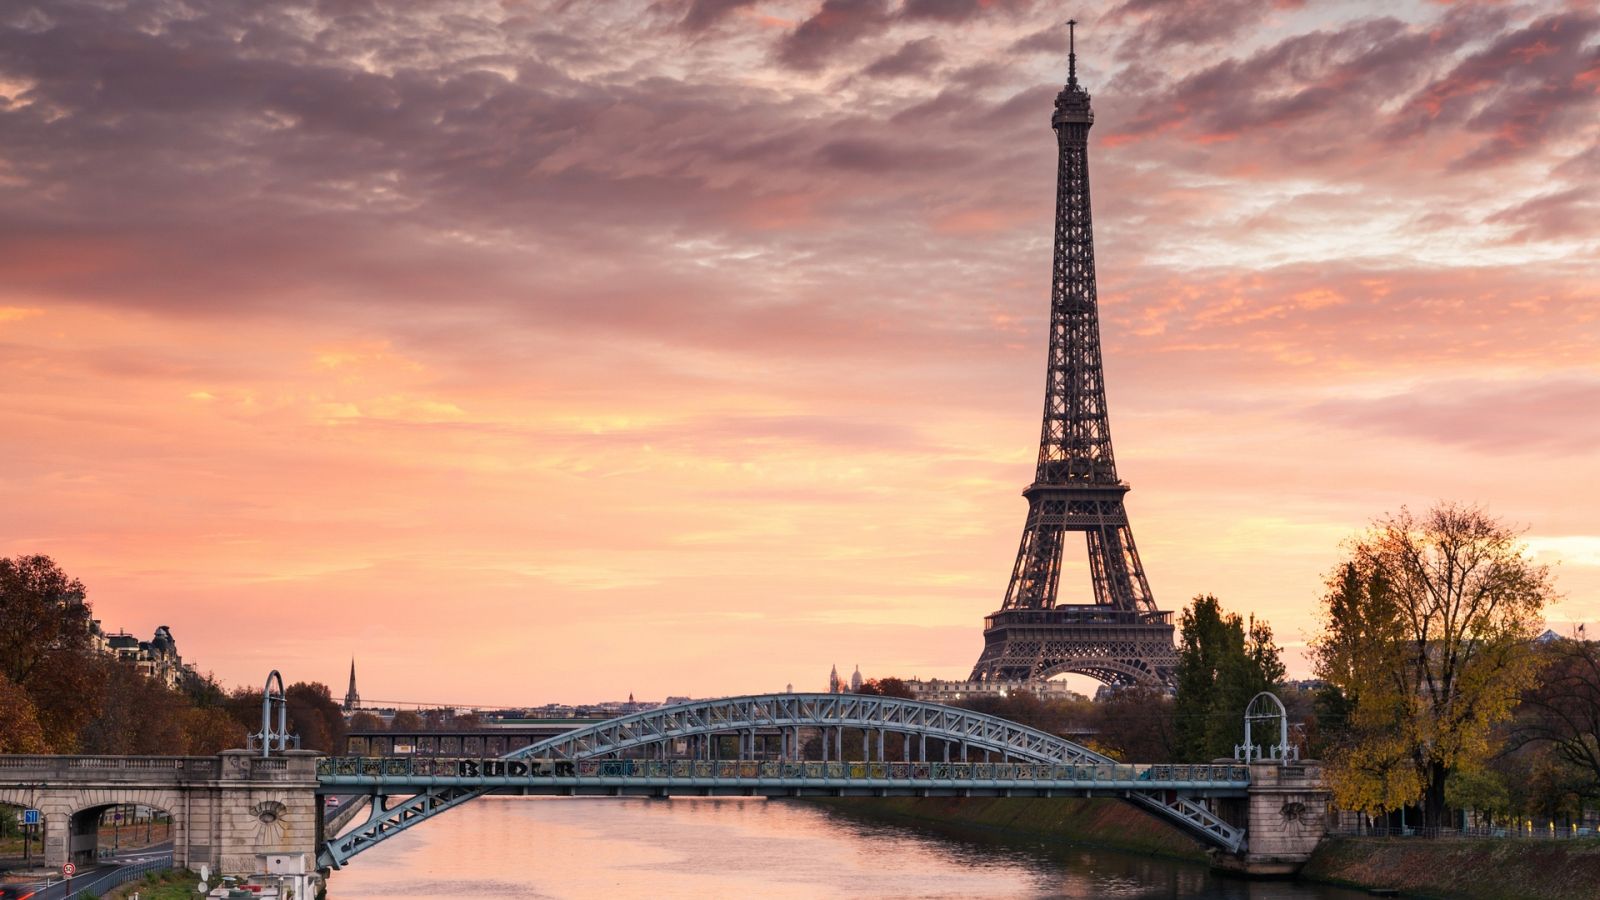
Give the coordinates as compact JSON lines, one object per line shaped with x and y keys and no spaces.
{"x":1285,"y":812}
{"x":226,"y":810}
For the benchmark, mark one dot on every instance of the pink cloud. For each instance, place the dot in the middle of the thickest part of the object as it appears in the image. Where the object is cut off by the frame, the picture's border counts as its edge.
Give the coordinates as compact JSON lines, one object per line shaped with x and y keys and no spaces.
{"x":736,"y":326}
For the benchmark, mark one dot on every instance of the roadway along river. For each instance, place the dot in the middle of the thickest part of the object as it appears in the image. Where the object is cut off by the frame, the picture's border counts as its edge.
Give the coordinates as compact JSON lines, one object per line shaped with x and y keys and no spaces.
{"x":506,"y":847}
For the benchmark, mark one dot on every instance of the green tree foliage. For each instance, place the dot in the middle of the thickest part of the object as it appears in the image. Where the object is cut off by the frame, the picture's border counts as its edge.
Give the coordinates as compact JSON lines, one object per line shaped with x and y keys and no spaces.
{"x":1223,"y":661}
{"x":1482,"y":789}
{"x":1426,"y":631}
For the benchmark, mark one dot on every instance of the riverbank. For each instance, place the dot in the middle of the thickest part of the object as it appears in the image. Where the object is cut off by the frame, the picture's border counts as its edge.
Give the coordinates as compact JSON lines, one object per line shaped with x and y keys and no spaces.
{"x":1091,"y":822}
{"x":1471,"y":869}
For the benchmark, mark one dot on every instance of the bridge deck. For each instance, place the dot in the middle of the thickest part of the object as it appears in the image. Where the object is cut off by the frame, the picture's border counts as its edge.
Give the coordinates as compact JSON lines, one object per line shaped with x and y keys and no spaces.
{"x":347,"y":775}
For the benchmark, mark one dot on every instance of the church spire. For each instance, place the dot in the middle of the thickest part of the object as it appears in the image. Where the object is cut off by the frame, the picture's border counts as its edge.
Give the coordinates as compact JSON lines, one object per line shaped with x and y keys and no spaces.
{"x":352,"y":699}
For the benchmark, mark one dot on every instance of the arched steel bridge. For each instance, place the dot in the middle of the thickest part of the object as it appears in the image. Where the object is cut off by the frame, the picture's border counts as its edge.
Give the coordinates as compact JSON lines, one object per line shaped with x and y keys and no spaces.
{"x":629,"y":756}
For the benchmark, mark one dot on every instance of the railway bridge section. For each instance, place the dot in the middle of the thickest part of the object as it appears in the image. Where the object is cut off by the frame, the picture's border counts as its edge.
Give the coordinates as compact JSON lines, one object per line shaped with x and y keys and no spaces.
{"x":232,"y":810}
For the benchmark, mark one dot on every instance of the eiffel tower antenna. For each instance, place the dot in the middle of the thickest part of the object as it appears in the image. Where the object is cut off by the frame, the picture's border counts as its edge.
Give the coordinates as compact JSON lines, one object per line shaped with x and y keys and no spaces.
{"x":1072,"y":51}
{"x":1120,"y":638}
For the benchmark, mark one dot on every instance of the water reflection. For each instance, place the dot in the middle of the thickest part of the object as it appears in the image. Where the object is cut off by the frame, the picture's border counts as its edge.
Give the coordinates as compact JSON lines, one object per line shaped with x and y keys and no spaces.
{"x":565,"y":848}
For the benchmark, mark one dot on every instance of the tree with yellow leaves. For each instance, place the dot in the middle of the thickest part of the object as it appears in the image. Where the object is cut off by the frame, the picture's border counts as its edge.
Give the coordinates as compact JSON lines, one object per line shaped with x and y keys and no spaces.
{"x":1427,"y":627}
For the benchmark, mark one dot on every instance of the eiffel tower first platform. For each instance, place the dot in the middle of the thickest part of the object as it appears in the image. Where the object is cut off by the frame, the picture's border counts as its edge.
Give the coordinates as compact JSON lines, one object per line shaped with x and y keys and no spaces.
{"x":1121,"y":638}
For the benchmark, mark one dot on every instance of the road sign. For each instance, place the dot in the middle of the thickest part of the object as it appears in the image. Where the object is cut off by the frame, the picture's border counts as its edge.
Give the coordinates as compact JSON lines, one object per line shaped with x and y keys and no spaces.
{"x":30,"y":817}
{"x":67,"y":869}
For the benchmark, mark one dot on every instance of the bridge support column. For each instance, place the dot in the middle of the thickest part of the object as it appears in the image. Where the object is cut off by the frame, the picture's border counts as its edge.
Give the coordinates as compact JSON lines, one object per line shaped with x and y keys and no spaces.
{"x":264,"y":805}
{"x":226,"y":810}
{"x":1286,"y":816}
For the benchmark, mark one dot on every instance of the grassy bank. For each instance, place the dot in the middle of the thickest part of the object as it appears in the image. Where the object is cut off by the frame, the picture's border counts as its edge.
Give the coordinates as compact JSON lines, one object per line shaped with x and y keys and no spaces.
{"x":172,"y":884}
{"x":1473,"y":870}
{"x":1091,"y":822}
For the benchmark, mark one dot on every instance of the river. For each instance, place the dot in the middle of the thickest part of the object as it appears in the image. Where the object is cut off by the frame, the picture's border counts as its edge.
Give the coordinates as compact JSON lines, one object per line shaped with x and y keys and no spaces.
{"x":515,"y":848}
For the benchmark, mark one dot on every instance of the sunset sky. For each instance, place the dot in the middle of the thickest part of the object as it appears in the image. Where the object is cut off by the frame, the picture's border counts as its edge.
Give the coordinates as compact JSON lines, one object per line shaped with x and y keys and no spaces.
{"x":536,"y":352}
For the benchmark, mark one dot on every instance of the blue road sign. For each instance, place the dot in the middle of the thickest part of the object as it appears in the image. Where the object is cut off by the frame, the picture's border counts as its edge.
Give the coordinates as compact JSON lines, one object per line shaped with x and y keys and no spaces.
{"x":30,"y":817}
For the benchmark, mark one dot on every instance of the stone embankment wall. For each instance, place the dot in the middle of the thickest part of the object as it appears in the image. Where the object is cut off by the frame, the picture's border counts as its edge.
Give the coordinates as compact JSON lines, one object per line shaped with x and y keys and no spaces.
{"x":1472,"y":869}
{"x":1098,"y":822}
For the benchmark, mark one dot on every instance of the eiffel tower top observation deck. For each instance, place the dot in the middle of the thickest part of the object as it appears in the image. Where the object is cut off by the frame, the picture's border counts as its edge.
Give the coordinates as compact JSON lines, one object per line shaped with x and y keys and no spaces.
{"x":1121,"y":637}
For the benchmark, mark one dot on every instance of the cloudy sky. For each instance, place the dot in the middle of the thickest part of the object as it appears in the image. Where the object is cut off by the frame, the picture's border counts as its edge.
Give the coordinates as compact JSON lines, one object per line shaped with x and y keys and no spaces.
{"x":536,"y":351}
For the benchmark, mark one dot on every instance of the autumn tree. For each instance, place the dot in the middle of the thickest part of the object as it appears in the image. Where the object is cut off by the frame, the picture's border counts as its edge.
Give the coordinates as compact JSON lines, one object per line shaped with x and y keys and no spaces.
{"x":365,"y":721}
{"x":1426,"y":630}
{"x":210,"y":729}
{"x":886,"y":687}
{"x":1223,"y":662}
{"x":1135,"y":724}
{"x":138,"y":716}
{"x":42,"y":612}
{"x":1562,"y":712}
{"x":44,"y":645}
{"x":317,"y":717}
{"x":313,"y":715}
{"x":405,"y":720}
{"x":19,"y":721}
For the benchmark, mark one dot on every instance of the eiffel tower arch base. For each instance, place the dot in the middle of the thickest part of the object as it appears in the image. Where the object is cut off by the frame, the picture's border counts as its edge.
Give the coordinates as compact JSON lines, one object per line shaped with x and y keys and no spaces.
{"x":1117,"y":647}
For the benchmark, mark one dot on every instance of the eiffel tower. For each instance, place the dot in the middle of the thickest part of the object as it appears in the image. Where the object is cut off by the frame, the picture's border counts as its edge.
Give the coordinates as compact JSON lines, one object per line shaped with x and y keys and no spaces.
{"x":1121,"y":638}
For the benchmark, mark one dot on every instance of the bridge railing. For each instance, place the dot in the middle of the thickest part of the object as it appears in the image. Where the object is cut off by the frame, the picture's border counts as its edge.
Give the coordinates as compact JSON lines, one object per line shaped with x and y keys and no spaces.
{"x":425,"y":767}
{"x":127,"y":766}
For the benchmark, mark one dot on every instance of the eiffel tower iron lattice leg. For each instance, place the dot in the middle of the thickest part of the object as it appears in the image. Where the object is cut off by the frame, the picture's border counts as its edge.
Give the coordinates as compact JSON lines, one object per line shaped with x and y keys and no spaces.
{"x":1121,"y":638}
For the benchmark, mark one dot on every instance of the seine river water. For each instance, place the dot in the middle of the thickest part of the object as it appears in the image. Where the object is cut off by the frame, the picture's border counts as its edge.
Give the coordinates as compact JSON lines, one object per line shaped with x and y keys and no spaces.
{"x":516,"y":847}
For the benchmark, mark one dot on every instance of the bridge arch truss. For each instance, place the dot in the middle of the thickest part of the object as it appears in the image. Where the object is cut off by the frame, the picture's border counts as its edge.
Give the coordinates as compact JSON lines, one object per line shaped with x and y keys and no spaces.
{"x":652,"y":729}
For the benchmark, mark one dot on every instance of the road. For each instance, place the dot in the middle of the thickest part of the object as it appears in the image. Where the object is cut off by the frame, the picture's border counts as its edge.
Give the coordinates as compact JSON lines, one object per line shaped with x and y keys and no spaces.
{"x":98,"y":878}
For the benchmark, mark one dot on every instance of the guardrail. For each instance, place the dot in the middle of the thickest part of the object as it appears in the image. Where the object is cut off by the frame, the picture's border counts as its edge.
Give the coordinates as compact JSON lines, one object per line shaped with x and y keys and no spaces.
{"x":1519,"y":831}
{"x":123,"y":875}
{"x":436,"y":767}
